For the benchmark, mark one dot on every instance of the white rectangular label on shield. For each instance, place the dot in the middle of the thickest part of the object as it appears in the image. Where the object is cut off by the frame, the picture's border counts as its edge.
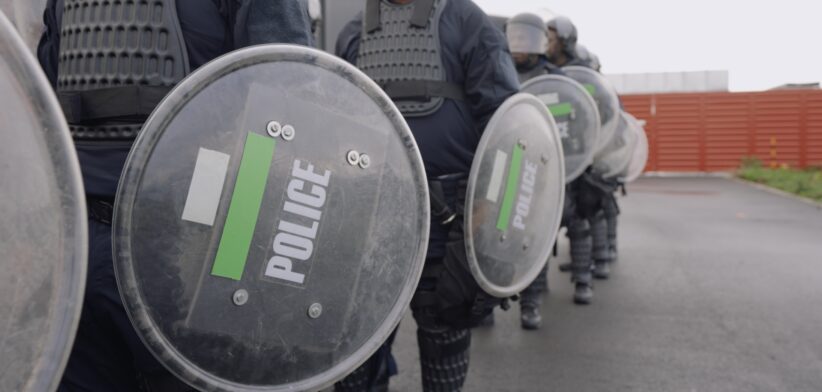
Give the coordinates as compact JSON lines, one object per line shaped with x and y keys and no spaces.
{"x":206,"y":187}
{"x":497,"y":173}
{"x":549,"y":99}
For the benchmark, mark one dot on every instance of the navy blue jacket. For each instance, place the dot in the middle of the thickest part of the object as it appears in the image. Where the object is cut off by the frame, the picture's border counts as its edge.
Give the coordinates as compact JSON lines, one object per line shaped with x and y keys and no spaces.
{"x":475,"y":55}
{"x":210,"y":29}
{"x":576,"y":61}
{"x":541,"y":67}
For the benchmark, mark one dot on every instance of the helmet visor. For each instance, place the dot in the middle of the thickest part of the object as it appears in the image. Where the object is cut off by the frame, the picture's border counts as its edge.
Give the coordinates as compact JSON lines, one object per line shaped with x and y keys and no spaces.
{"x":523,"y":38}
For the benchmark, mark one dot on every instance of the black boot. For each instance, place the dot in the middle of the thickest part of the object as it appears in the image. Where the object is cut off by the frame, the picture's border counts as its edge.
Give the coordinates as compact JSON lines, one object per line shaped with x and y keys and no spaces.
{"x":529,"y":317}
{"x":583,"y":293}
{"x":581,"y":260}
{"x":530,"y":300}
{"x":488,"y":321}
{"x":602,"y":269}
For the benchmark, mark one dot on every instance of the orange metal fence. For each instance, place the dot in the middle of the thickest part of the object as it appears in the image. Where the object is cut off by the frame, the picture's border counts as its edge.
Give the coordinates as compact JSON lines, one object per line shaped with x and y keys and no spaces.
{"x":711,"y":132}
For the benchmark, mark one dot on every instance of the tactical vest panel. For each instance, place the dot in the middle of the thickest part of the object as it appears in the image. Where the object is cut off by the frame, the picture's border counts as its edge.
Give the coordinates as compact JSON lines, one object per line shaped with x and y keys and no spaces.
{"x":400,"y":49}
{"x":118,"y":59}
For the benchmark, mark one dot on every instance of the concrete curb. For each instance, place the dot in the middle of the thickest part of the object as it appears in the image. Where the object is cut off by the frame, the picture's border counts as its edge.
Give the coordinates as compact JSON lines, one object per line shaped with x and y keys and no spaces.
{"x":778,"y":192}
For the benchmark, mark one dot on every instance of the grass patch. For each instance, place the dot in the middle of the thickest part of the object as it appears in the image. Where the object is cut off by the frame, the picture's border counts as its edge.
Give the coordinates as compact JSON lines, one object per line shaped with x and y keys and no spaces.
{"x":806,"y":183}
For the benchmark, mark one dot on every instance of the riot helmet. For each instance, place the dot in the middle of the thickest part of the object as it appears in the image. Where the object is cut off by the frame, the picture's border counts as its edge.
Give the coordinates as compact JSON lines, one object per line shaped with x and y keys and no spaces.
{"x":527,"y":33}
{"x":595,"y":64}
{"x":562,"y":37}
{"x":583,"y":53}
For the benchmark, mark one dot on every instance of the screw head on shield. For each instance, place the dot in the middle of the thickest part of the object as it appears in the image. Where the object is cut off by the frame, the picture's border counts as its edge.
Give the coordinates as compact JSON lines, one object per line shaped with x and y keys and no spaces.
{"x":315,"y":310}
{"x":274,"y":129}
{"x":240,"y":297}
{"x":289,"y":133}
{"x":353,"y":158}
{"x":365,"y":161}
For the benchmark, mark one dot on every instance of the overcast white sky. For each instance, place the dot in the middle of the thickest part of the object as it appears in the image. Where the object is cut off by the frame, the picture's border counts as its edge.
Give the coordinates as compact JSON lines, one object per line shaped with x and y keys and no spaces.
{"x":762,"y":43}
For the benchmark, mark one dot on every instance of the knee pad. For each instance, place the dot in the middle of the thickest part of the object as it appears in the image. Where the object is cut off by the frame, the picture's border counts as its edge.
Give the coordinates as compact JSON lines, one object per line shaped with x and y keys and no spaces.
{"x":612,"y":231}
{"x":579,"y":234}
{"x":599,"y":238}
{"x":444,"y":358}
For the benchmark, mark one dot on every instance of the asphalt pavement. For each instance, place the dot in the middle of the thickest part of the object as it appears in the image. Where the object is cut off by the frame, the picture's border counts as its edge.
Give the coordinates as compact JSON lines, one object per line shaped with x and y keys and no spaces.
{"x":718,"y":287}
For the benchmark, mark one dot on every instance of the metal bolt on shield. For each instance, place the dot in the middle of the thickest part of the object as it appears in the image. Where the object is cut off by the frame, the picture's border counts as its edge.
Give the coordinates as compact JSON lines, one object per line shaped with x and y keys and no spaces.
{"x":315,"y":310}
{"x":365,"y":161}
{"x":240,"y":297}
{"x":353,"y":158}
{"x":274,"y":129}
{"x":289,"y":133}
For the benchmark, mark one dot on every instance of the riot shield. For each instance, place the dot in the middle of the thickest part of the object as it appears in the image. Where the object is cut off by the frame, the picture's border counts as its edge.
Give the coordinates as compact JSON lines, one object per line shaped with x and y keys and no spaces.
{"x":576,"y":116}
{"x":272,"y":222}
{"x":606,"y":98}
{"x":27,"y":18}
{"x":640,"y":155}
{"x":613,"y":160}
{"x":43,"y":235}
{"x":515,"y":196}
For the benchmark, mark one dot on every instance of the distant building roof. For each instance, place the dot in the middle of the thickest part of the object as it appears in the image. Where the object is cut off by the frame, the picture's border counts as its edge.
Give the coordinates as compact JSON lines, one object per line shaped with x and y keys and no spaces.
{"x":670,"y":82}
{"x":798,"y":86}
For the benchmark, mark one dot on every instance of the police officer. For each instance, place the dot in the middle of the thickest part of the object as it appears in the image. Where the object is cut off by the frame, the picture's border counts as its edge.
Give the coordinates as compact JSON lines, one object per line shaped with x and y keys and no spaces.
{"x":580,"y":211}
{"x":611,"y":208}
{"x":593,"y":194}
{"x":111,"y":62}
{"x":562,"y":43}
{"x":527,"y":37}
{"x":594,"y":62}
{"x":605,"y":247}
{"x":448,"y":68}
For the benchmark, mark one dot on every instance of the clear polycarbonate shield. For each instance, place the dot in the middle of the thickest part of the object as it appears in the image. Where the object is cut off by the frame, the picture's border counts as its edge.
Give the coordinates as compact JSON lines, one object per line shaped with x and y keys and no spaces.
{"x":606,"y":98}
{"x":576,"y":116}
{"x":614,"y":159}
{"x":43,"y":235}
{"x":640,"y":155}
{"x":272,"y":222}
{"x":515,"y":195}
{"x":526,"y":38}
{"x":27,"y":18}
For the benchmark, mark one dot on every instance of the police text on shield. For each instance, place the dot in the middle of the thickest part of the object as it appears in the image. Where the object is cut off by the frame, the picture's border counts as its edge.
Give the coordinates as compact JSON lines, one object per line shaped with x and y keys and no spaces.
{"x":526,"y":195}
{"x":300,"y":220}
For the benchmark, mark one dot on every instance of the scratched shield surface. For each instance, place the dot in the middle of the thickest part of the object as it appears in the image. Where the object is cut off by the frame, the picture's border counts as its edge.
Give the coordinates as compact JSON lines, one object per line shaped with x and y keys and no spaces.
{"x":271,"y":223}
{"x":515,"y":195}
{"x":43,"y":232}
{"x":614,"y":159}
{"x":606,"y":98}
{"x":639,"y":158}
{"x":577,"y":117}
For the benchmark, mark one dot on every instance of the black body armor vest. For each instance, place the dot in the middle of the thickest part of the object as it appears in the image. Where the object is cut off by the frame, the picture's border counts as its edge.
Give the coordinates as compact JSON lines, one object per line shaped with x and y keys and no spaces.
{"x":118,"y":59}
{"x":401,"y":50}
